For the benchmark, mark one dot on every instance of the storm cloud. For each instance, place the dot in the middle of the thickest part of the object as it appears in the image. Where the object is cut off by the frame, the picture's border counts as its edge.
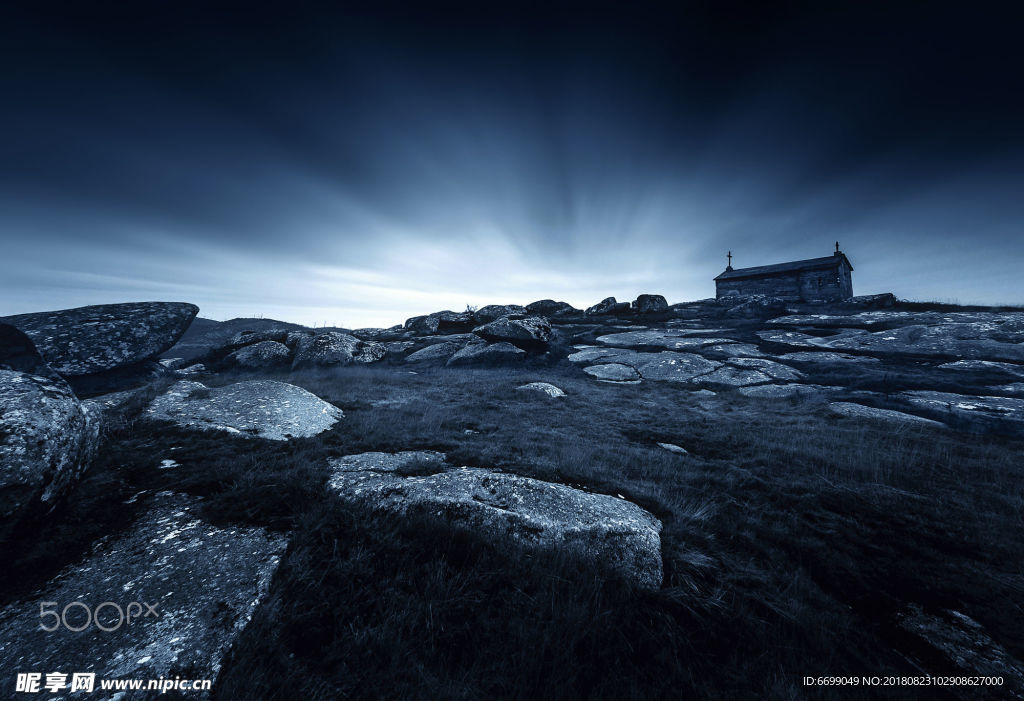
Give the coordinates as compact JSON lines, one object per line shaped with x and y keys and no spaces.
{"x":356,"y":167}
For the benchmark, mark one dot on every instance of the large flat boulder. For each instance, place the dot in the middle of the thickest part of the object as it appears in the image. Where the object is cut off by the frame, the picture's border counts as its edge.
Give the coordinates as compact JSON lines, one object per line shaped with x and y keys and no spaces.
{"x":486,"y":354}
{"x":612,"y":532}
{"x":673,"y":367}
{"x":261,"y":408}
{"x":613,"y":372}
{"x":529,"y":333}
{"x":435,"y":353}
{"x":47,"y":438}
{"x":204,"y":582}
{"x":102,"y":337}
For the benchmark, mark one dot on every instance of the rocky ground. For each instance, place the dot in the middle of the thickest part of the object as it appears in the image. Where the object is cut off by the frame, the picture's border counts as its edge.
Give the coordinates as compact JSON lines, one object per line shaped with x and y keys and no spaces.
{"x":713,"y":498}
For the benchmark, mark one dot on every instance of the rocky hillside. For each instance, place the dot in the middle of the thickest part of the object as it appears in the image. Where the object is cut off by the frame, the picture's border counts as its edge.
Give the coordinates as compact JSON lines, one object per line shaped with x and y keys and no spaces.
{"x":501,"y":501}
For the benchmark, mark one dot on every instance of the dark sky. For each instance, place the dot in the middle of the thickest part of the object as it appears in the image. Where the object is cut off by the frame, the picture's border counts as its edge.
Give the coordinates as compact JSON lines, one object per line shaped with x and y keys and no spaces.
{"x":360,"y":164}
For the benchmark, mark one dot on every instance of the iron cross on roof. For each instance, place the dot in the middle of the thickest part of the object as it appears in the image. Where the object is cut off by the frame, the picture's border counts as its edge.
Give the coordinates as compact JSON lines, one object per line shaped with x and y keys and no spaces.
{"x":729,"y":256}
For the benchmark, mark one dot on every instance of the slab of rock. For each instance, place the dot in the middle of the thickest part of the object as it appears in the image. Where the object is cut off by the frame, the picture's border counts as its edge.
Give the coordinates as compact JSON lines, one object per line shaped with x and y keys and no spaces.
{"x":733,"y":350}
{"x":404,"y":462}
{"x":1015,"y":388}
{"x":593,"y":354}
{"x":484,"y":354}
{"x":868,"y":412}
{"x":204,"y":582}
{"x":995,"y":336}
{"x":967,"y":646}
{"x":105,"y":337}
{"x":736,"y":377}
{"x":608,"y":305}
{"x":673,"y":367}
{"x":782,"y":391}
{"x":670,"y":339}
{"x":47,"y":438}
{"x":397,"y":349}
{"x":613,"y":372}
{"x":529,"y":333}
{"x":262,"y":408}
{"x":827,"y":358}
{"x":756,"y":306}
{"x":1003,"y":414}
{"x":492,"y":312}
{"x":263,"y":355}
{"x":612,"y":532}
{"x":985,"y":365}
{"x":438,"y":352}
{"x":776,"y":371}
{"x":550,"y":308}
{"x":542,"y":387}
{"x":650,"y":304}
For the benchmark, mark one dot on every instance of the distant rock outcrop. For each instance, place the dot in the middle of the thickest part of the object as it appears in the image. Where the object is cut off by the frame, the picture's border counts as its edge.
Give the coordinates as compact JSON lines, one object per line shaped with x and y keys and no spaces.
{"x":608,"y":305}
{"x":47,"y":438}
{"x":261,"y":408}
{"x":611,"y":532}
{"x":263,"y":355}
{"x":105,"y":337}
{"x":485,"y":315}
{"x":440,"y":322}
{"x":334,"y":348}
{"x":650,"y":304}
{"x":550,"y":308}
{"x":529,"y":333}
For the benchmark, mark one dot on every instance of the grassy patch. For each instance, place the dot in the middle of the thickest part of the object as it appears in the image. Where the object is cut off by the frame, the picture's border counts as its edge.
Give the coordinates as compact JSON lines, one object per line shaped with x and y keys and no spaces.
{"x":791,"y":538}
